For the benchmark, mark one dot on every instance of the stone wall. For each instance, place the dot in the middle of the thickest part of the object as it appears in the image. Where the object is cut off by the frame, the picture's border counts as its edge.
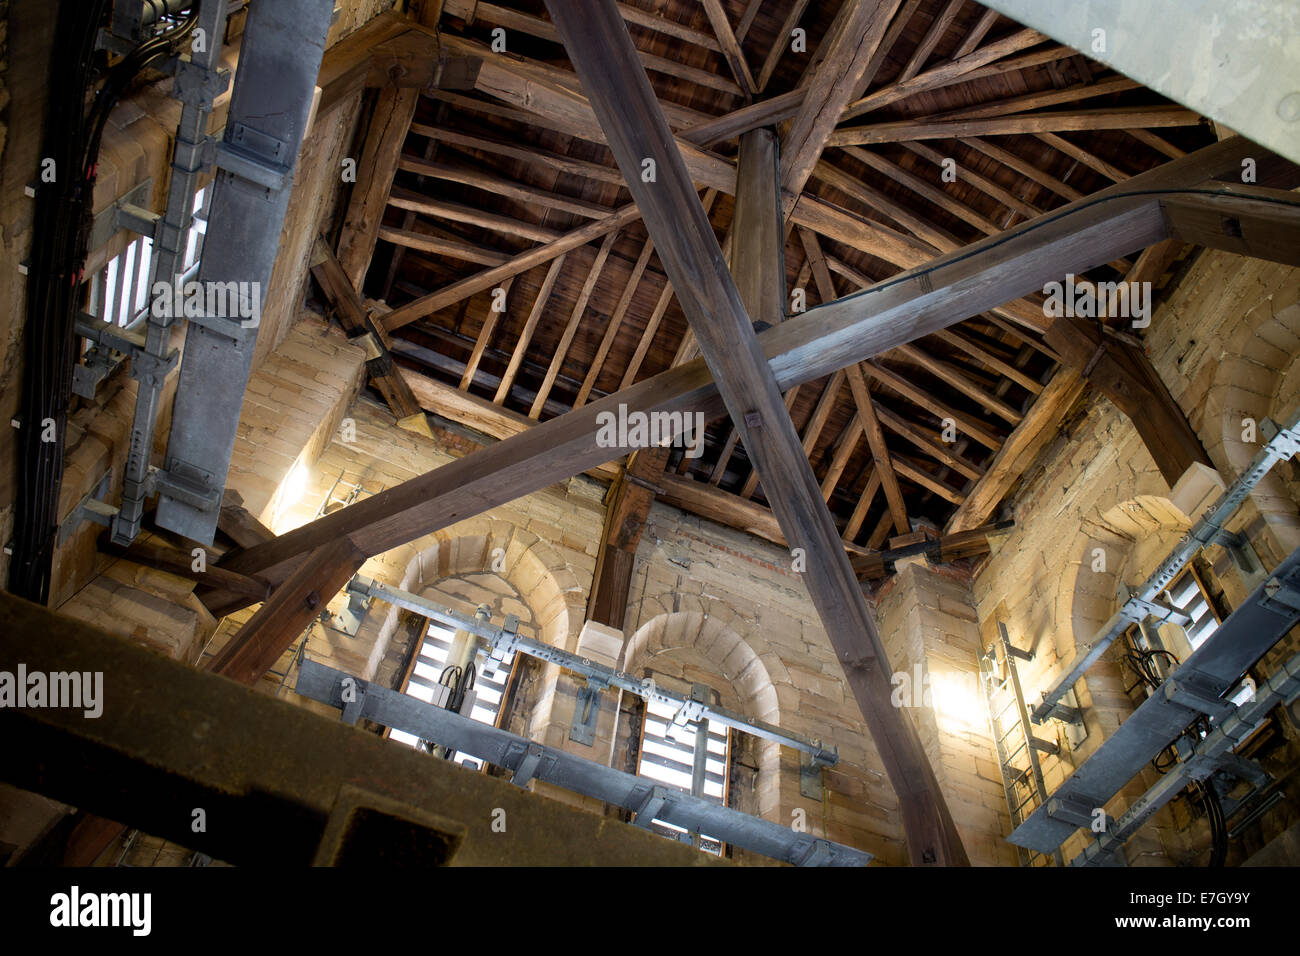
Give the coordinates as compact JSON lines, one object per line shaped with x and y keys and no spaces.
{"x":1095,"y":512}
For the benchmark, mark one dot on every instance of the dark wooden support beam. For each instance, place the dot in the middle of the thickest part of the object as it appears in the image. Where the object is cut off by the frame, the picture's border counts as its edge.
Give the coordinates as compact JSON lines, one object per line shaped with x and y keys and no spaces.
{"x":879,"y":451}
{"x":180,"y":563}
{"x":1039,"y":426}
{"x":288,"y":612}
{"x":603,"y":54}
{"x":849,"y":64}
{"x":389,"y":123}
{"x":757,"y":252}
{"x":627,"y":504}
{"x":238,"y":524}
{"x":1264,"y":223}
{"x":355,"y":319}
{"x":951,"y":547}
{"x":1123,"y":373}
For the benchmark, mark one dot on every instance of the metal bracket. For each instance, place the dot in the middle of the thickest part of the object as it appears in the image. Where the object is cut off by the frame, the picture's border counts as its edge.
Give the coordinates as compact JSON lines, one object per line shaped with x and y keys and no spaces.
{"x":352,"y":708}
{"x":90,"y":508}
{"x":817,"y":854}
{"x":586,"y":711}
{"x":108,"y":223}
{"x":1280,"y":597}
{"x":348,"y":621}
{"x":651,"y":805}
{"x":810,"y":777}
{"x":96,"y":365}
{"x":253,"y":155}
{"x":1243,"y":555}
{"x":187,"y":484}
{"x":198,"y":85}
{"x":1184,"y":693}
{"x":534,"y":759}
{"x":1073,"y":810}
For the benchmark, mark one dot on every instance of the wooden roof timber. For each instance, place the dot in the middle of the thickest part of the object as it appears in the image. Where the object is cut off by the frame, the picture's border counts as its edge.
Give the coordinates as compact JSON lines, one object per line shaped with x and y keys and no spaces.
{"x":803,"y":348}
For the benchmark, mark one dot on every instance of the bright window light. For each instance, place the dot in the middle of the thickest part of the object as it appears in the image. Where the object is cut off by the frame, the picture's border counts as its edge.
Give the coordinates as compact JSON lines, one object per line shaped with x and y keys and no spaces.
{"x":431,"y":662}
{"x":668,"y":756}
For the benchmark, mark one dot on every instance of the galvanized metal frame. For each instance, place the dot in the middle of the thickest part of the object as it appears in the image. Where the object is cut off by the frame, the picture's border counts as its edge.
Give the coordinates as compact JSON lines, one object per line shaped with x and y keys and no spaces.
{"x":503,"y":640}
{"x":530,"y":760}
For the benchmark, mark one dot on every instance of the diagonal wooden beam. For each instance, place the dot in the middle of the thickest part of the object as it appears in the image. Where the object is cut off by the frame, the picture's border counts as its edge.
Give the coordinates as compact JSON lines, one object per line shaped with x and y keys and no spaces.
{"x":1040,"y":425}
{"x":356,"y":321}
{"x":972,"y":66}
{"x":485,"y":334}
{"x":730,"y":47}
{"x":879,"y":450}
{"x":782,"y":42}
{"x":598,"y":43}
{"x":976,"y":34}
{"x":841,"y":75}
{"x":389,"y":123}
{"x":488,"y":278}
{"x":530,"y":326}
{"x":288,"y":612}
{"x":931,"y":39}
{"x":1124,"y":117}
{"x":615,"y":322}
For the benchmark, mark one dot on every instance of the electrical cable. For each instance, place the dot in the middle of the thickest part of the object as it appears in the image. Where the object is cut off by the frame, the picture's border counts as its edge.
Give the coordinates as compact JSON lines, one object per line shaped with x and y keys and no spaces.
{"x":61,"y":235}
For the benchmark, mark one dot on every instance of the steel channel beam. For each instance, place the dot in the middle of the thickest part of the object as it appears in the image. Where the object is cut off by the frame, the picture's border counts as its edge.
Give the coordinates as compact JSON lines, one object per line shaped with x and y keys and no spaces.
{"x":279,"y":62}
{"x":1195,"y":688}
{"x":502,"y":642}
{"x":569,"y":771}
{"x":1280,"y":447}
{"x":1283,"y":688}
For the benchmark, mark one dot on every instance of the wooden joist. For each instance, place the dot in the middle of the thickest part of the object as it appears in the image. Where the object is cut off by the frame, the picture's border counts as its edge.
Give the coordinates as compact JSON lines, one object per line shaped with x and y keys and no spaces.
{"x":1058,"y":122}
{"x":849,"y":61}
{"x":289,"y":611}
{"x":1122,"y":371}
{"x":1258,"y":222}
{"x":875,"y":565}
{"x":571,"y":327}
{"x":627,"y":504}
{"x":730,"y":47}
{"x":356,"y":321}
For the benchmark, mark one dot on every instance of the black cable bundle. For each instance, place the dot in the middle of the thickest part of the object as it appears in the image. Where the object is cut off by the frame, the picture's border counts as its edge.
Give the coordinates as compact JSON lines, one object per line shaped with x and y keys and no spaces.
{"x":62,"y":225}
{"x":60,"y":237}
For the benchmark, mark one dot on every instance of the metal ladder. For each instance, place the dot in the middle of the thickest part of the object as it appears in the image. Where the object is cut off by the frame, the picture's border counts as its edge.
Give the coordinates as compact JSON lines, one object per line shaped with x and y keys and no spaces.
{"x":334,"y":496}
{"x":1023,"y":786}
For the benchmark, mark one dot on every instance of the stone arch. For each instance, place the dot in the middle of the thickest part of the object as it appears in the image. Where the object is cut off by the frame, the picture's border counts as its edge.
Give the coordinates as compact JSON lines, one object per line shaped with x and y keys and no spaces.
{"x":1257,"y":376}
{"x":545,"y":581}
{"x":691,"y":637}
